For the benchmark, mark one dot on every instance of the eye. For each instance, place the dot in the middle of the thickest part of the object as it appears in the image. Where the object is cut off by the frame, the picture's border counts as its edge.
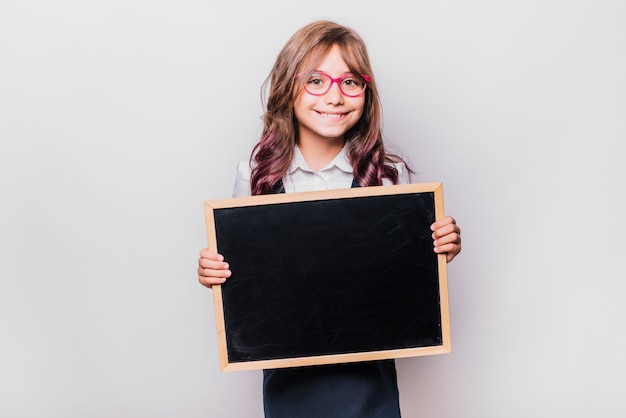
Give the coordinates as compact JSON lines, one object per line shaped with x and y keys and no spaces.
{"x":316,"y":81}
{"x":352,"y":83}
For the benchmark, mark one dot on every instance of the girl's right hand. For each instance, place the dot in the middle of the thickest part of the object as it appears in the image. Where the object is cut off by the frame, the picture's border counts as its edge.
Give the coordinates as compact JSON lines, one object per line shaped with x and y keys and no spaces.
{"x":211,"y":268}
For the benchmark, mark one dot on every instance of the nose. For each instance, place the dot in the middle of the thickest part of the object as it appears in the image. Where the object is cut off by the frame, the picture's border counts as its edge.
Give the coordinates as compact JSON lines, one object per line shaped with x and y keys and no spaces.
{"x":334,"y":94}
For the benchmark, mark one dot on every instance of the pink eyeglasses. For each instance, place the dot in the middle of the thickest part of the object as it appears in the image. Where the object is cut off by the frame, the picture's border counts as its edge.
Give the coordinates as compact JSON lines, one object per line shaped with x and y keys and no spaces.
{"x":319,"y":83}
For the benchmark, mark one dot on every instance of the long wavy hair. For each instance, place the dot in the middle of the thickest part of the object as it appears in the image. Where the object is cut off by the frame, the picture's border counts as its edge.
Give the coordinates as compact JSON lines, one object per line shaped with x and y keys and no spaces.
{"x":272,"y":155}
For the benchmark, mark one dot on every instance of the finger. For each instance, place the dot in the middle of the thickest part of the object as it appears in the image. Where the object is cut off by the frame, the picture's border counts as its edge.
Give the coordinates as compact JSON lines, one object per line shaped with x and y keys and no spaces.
{"x":447,"y":223}
{"x":450,"y":250}
{"x":450,"y":229}
{"x":211,"y":273}
{"x":210,"y":282}
{"x":448,"y":244}
{"x":451,"y":238}
{"x":212,"y":264}
{"x":213,"y":269}
{"x":446,"y":220}
{"x":211,"y":255}
{"x":209,"y":277}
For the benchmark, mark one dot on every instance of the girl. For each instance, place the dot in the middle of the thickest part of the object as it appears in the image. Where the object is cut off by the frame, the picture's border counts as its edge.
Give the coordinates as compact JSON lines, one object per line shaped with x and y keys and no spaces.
{"x":322,"y":130}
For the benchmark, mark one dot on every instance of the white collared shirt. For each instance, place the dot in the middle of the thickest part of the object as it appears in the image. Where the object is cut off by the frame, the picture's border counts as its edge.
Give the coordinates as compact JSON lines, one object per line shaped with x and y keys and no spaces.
{"x":302,"y":178}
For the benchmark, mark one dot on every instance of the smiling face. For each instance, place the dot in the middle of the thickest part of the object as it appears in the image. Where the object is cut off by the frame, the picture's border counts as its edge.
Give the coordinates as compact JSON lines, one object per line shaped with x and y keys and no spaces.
{"x":325,"y":119}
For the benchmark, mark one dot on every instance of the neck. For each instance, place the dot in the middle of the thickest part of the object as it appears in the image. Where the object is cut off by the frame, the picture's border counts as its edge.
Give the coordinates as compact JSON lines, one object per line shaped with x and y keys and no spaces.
{"x":317,"y":155}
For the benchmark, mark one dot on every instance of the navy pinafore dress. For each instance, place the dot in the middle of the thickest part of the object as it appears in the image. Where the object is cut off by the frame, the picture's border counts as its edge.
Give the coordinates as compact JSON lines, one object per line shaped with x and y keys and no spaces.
{"x":350,"y":390}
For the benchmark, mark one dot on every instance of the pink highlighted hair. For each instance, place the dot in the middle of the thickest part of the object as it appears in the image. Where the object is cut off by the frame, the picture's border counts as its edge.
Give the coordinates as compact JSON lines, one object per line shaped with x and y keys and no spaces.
{"x":272,"y":155}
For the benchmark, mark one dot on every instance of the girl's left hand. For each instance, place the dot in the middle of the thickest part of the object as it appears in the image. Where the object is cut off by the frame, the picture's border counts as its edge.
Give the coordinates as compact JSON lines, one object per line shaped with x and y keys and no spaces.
{"x":446,"y":237}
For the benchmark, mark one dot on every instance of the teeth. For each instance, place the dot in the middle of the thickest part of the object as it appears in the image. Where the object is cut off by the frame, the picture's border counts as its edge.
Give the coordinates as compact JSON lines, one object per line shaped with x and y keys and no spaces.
{"x":331,"y":115}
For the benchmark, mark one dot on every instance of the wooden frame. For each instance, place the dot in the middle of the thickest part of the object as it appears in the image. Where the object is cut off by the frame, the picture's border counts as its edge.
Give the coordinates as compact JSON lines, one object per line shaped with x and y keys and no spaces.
{"x":329,"y":277}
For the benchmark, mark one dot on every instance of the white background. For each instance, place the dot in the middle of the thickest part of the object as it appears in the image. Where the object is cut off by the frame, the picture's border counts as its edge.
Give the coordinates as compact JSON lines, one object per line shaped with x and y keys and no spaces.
{"x":119,"y":118}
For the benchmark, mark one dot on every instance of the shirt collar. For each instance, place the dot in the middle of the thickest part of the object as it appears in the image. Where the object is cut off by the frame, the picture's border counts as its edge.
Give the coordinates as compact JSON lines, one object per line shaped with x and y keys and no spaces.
{"x":340,"y":161}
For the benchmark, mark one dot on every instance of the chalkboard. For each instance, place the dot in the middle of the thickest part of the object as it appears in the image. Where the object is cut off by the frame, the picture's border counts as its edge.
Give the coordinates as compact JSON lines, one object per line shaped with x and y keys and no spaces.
{"x":329,"y":277}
